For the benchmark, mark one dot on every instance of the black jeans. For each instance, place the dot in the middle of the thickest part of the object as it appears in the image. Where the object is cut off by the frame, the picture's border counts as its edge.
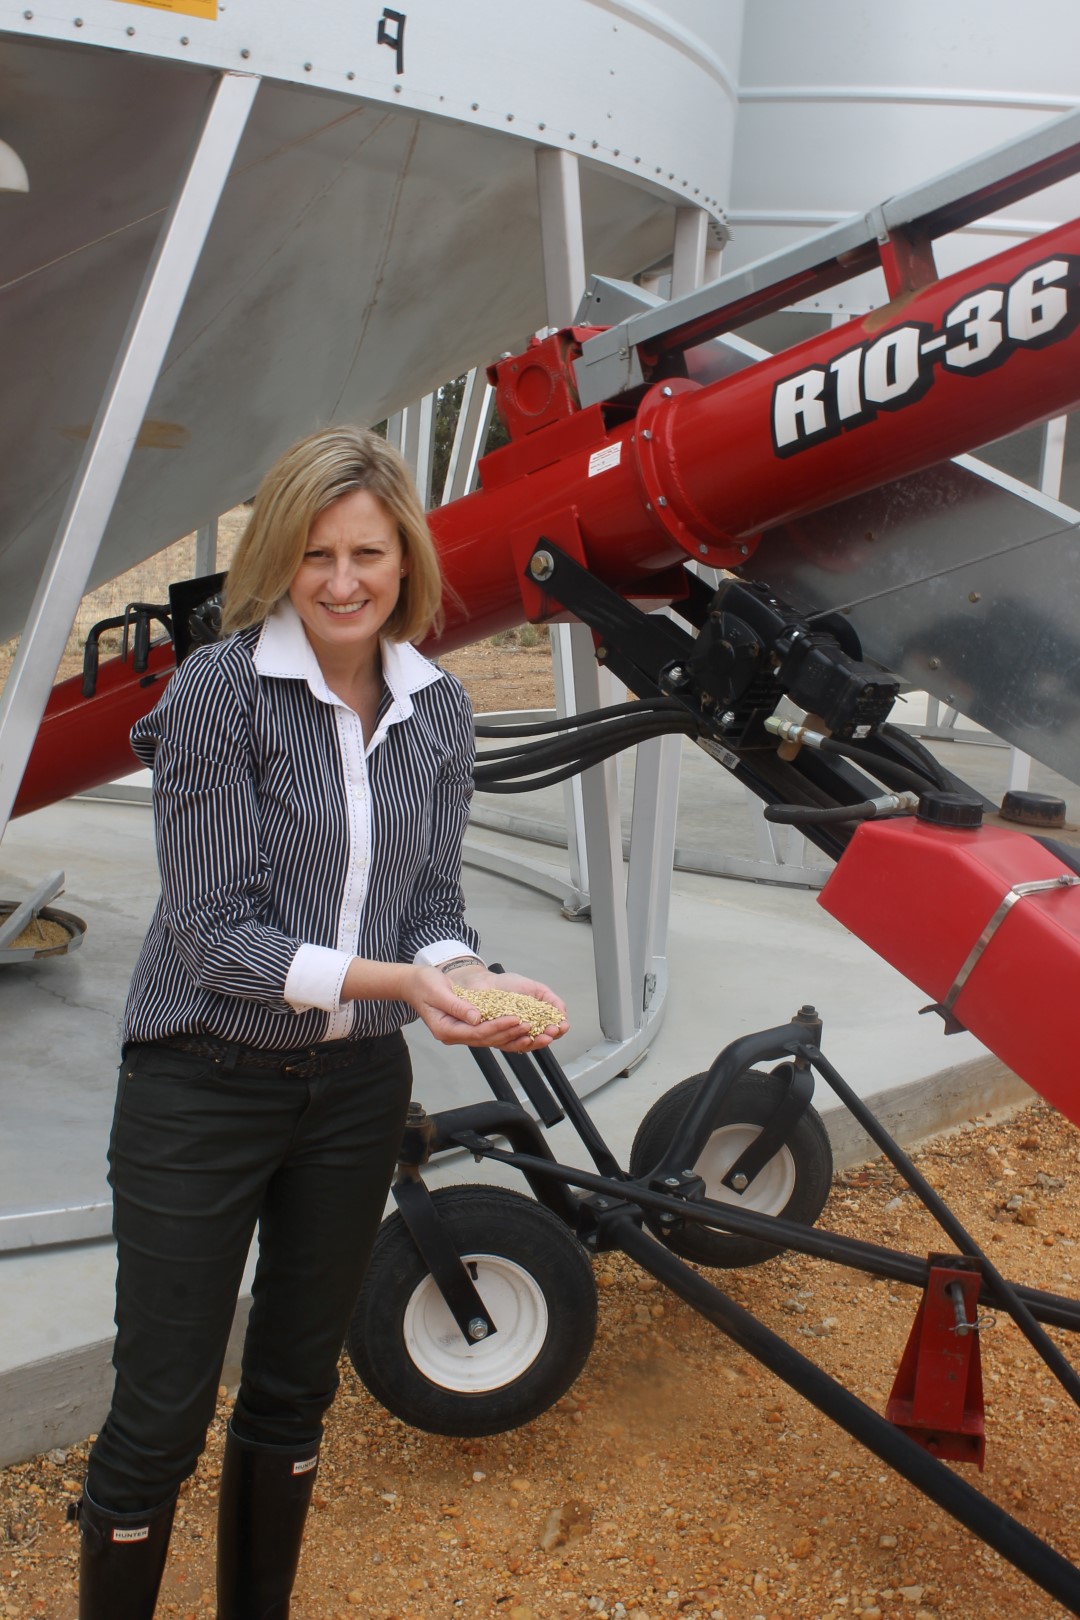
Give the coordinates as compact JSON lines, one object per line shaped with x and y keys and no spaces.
{"x":199,"y":1155}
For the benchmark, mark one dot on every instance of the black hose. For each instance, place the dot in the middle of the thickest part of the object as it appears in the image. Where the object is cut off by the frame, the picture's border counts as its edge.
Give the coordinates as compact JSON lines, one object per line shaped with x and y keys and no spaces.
{"x":587,"y":736}
{"x":918,"y":753}
{"x":566,"y":722}
{"x":883,"y":769}
{"x":794,"y":815}
{"x":567,"y":756}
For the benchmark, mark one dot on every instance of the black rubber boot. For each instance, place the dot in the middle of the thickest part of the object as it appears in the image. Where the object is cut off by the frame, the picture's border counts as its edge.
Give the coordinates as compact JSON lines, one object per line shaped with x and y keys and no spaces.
{"x":265,"y":1495}
{"x":121,"y":1559}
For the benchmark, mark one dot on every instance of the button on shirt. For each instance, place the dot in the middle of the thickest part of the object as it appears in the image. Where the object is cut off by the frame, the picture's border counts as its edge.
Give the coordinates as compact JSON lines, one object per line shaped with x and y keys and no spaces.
{"x":286,"y":848}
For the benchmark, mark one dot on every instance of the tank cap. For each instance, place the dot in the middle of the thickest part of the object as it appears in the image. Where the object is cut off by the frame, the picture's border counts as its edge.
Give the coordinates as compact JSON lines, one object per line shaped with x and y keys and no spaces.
{"x":1033,"y":809}
{"x":950,"y":809}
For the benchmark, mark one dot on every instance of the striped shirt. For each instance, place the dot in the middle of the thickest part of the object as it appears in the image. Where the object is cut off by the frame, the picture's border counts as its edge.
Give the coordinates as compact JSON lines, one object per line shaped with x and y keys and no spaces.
{"x":286,"y":847}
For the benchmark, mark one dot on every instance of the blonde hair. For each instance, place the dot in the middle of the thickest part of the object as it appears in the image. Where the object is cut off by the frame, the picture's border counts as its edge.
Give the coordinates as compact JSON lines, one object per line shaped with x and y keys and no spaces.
{"x":304,"y":482}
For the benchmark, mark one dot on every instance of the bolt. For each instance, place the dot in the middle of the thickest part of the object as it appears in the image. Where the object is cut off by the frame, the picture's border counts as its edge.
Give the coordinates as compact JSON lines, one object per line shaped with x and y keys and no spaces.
{"x":671,"y":1181}
{"x":728,"y":717}
{"x":78,"y":22}
{"x":666,"y":391}
{"x":739,"y":1183}
{"x":475,"y":106}
{"x":935,"y":663}
{"x":350,"y":74}
{"x":129,"y":32}
{"x":704,"y":550}
{"x":478,"y":1328}
{"x":601,"y":654}
{"x":184,"y":40}
{"x":28,"y":16}
{"x":744,"y":551}
{"x":542,"y":565}
{"x":245,"y":53}
{"x":688,"y":1175}
{"x":601,"y":1203}
{"x":307,"y":67}
{"x":646,"y":433}
{"x":974,"y":596}
{"x":661,"y":500}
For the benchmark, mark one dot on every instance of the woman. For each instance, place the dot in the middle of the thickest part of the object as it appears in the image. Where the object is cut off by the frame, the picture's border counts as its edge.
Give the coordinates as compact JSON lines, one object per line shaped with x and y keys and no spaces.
{"x":311,"y":780}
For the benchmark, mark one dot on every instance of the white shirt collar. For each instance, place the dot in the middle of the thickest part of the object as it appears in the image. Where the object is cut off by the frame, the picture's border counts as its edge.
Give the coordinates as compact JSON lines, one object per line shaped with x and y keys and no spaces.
{"x":283,"y":652}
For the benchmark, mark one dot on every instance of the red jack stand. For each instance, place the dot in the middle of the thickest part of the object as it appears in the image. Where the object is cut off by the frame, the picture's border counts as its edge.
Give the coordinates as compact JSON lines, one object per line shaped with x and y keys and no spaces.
{"x":938,"y":1394}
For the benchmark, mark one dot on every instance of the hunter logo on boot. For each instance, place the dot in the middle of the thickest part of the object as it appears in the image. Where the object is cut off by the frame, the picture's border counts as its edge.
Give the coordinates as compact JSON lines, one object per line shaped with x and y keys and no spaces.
{"x":304,"y":1467}
{"x":131,"y":1535}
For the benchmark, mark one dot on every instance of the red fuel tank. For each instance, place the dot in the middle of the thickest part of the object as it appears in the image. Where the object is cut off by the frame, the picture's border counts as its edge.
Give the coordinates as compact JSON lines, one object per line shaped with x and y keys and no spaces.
{"x":986,"y":921}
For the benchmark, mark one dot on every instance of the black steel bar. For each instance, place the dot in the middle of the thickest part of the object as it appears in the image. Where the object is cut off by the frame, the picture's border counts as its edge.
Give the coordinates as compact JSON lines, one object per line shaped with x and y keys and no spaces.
{"x":578,"y":1115}
{"x":1034,"y":1558}
{"x":697,"y":1123}
{"x":442,"y":1259}
{"x":488,"y":1064}
{"x":468,"y":1126}
{"x":1001,"y":1291}
{"x":855,"y":1253}
{"x":775,"y":1131}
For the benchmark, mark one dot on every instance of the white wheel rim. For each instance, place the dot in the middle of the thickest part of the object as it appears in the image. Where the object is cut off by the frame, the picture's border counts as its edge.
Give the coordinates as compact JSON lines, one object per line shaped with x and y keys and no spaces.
{"x":770,"y":1191}
{"x":515,"y":1304}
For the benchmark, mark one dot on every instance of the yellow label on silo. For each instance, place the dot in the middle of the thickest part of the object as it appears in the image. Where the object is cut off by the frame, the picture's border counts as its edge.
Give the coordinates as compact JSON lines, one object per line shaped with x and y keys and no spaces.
{"x":188,"y":8}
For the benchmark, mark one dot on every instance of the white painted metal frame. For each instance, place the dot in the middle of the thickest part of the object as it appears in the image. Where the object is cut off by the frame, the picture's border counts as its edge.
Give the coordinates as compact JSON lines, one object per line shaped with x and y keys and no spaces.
{"x":412,"y":431}
{"x":470,"y":436}
{"x":116,"y":428}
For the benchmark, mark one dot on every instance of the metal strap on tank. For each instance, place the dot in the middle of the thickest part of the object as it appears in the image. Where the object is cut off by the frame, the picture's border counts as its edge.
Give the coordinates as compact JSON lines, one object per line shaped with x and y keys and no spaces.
{"x":1017,"y":892}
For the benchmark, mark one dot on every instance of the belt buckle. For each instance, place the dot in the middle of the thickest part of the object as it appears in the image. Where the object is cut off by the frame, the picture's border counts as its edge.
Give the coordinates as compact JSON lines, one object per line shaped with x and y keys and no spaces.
{"x":300,"y":1064}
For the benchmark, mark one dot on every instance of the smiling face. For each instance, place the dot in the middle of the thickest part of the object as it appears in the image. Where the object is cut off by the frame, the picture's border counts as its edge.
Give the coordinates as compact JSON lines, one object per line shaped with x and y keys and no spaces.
{"x":348,"y":581}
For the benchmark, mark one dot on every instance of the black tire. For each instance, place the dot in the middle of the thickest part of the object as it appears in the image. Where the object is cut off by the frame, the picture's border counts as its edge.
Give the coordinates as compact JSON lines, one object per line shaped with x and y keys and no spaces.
{"x":795,"y":1182}
{"x":534,"y":1277}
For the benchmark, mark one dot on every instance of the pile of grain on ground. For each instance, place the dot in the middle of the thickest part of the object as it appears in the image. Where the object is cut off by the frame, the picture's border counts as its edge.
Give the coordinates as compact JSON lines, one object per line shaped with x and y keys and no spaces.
{"x":677,"y":1478}
{"x":40,"y":934}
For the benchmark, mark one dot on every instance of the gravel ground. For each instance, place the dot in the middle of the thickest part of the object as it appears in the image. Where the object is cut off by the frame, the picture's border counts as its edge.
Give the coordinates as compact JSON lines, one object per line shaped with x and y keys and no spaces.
{"x":677,"y":1477}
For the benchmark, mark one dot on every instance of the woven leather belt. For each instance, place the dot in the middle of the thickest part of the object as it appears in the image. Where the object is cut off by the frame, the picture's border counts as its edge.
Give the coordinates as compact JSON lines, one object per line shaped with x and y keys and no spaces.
{"x":307,"y":1062}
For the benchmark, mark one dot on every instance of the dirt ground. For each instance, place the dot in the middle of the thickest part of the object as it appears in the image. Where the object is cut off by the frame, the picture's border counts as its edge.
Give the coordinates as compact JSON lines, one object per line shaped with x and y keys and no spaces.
{"x":677,"y":1478}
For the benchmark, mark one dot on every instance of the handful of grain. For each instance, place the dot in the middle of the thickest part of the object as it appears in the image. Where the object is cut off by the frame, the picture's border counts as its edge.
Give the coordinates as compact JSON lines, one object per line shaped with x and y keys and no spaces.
{"x":511,"y":1004}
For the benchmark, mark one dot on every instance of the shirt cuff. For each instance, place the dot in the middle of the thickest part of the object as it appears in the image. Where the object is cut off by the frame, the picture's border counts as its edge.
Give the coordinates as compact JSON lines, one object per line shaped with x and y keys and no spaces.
{"x":444,"y":950}
{"x":315,"y":978}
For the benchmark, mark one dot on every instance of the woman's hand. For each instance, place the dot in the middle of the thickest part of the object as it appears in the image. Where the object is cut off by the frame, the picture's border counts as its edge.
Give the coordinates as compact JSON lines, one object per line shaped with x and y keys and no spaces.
{"x":453,"y":1021}
{"x":481,"y":978}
